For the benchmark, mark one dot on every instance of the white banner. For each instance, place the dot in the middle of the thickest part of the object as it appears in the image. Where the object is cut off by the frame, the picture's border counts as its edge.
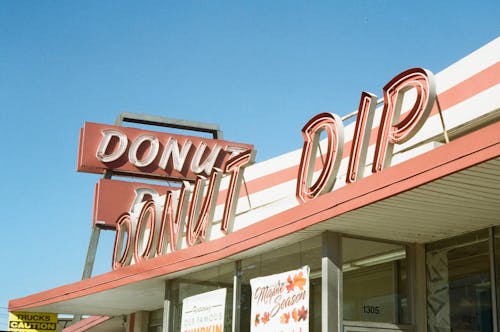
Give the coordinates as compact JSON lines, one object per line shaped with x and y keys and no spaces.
{"x":204,"y":312}
{"x":280,"y":302}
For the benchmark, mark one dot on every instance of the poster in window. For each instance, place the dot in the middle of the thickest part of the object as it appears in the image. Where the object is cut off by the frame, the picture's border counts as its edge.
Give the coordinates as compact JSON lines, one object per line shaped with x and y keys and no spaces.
{"x":280,"y":302}
{"x":204,"y":312}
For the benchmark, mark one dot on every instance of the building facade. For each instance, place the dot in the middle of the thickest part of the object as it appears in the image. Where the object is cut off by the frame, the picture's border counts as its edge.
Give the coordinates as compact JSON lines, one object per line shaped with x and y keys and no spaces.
{"x":389,"y":223}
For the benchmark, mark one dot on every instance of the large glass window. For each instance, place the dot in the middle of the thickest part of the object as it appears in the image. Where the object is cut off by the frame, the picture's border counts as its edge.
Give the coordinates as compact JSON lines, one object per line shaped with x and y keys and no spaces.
{"x":307,"y":252}
{"x":155,"y":321}
{"x":458,"y":284}
{"x":201,"y":282}
{"x":375,"y":286}
{"x":375,"y":282}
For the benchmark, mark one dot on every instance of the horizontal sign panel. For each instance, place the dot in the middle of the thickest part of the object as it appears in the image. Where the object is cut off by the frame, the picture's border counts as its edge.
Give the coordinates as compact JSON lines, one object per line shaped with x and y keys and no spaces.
{"x":143,"y":153}
{"x":113,"y":197}
{"x":32,"y":322}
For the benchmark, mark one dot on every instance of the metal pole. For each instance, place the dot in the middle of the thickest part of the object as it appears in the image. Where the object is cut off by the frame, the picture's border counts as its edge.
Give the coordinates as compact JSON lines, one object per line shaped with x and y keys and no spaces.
{"x":169,"y":122}
{"x":445,"y":133}
{"x":236,"y":296}
{"x":493,"y":282}
{"x":89,"y":261}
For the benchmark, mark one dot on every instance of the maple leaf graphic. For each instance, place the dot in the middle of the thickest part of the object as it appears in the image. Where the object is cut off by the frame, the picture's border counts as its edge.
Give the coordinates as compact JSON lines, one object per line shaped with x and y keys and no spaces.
{"x":289,"y":285}
{"x":295,"y":315}
{"x":265,"y":318}
{"x":302,"y":313}
{"x":257,"y":319}
{"x":285,"y":318}
{"x":299,"y":281}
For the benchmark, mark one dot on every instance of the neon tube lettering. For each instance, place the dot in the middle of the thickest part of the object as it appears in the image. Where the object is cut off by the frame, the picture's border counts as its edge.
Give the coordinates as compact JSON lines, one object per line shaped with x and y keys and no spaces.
{"x":202,"y":208}
{"x":361,"y":137}
{"x":172,"y":151}
{"x":140,"y":238}
{"x":146,"y":235}
{"x":173,"y":224}
{"x":107,"y":136}
{"x":390,"y":132}
{"x":332,"y":125}
{"x":151,"y":153}
{"x":197,"y":166}
{"x":235,"y":168}
{"x":122,"y":253}
{"x":393,"y":129}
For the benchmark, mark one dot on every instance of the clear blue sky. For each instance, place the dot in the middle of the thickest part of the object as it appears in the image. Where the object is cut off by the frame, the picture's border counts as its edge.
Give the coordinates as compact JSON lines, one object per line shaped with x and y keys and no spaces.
{"x":259,"y":69}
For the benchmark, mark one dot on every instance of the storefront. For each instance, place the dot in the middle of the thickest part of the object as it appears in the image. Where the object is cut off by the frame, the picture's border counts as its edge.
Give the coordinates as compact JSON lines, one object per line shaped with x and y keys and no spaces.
{"x":391,"y":223}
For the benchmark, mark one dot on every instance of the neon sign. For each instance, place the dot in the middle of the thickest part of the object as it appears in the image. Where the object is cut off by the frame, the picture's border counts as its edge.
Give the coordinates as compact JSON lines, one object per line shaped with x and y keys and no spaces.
{"x":151,"y":154}
{"x":393,"y":129}
{"x":165,"y":219}
{"x":158,"y":226}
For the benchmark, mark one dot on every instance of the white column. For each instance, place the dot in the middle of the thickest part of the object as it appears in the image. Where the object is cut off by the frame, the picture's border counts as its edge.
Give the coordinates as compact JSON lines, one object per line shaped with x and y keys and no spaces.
{"x":167,"y":307}
{"x":331,"y":283}
{"x":417,"y":286}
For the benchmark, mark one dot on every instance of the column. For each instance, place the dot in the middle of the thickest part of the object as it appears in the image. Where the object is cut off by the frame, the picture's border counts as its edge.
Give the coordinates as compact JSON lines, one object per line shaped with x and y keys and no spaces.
{"x":167,"y":307}
{"x":331,"y":283}
{"x":417,"y":285}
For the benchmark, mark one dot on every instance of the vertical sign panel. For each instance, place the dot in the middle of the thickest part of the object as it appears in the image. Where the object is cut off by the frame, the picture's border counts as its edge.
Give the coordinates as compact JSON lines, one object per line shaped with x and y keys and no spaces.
{"x":280,"y":302}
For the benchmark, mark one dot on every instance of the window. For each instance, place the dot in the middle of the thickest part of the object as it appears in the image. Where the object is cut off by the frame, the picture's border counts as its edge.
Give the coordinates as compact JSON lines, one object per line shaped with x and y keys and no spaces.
{"x":458,"y":284}
{"x":307,"y":252}
{"x":156,"y":321}
{"x":375,"y":282}
{"x":201,"y":282}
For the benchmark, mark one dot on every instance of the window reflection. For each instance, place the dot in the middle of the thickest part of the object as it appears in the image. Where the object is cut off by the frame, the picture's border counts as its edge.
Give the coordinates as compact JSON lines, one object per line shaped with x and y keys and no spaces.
{"x":458,"y":284}
{"x":375,"y":286}
{"x":201,"y":282}
{"x":307,"y":252}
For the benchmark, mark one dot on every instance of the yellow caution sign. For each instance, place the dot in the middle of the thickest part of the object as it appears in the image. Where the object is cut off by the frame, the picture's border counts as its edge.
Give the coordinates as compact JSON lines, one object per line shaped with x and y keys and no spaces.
{"x":32,"y":322}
